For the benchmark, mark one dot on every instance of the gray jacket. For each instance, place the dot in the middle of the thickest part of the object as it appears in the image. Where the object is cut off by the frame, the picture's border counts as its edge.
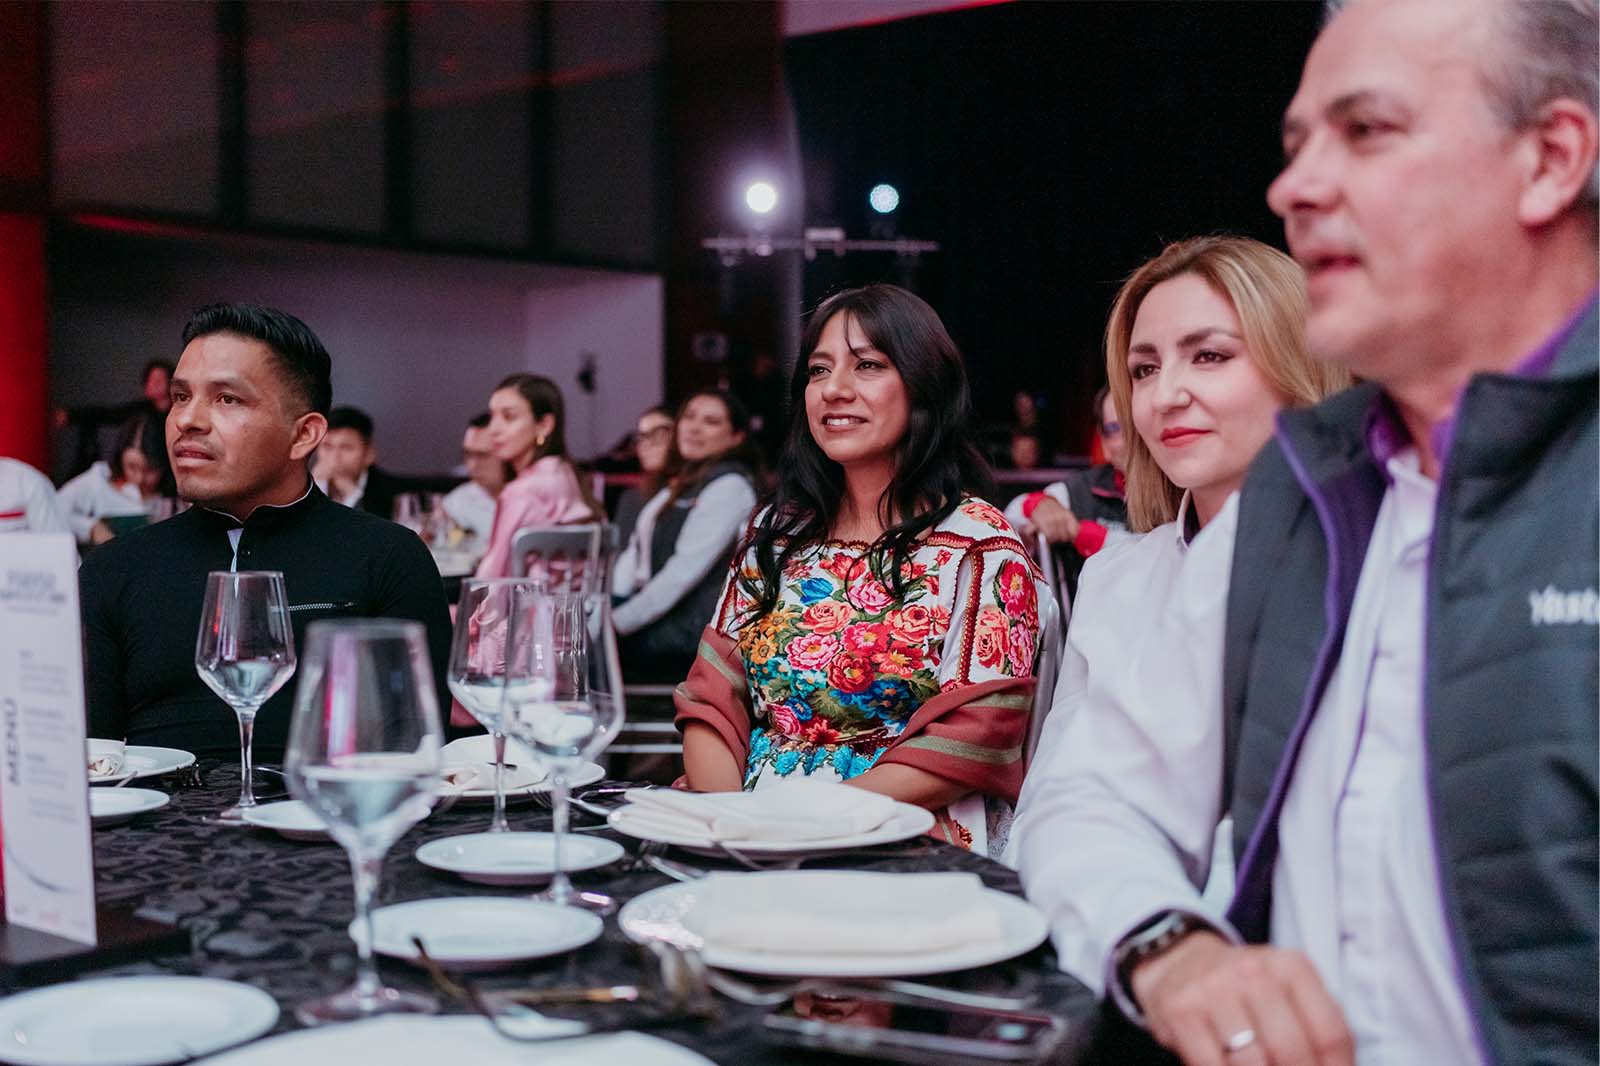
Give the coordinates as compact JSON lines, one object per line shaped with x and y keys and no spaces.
{"x":1510,"y":690}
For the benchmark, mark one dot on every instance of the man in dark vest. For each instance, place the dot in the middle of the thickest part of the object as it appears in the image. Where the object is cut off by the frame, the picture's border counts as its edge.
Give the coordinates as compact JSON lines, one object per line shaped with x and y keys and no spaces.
{"x":1398,"y":611}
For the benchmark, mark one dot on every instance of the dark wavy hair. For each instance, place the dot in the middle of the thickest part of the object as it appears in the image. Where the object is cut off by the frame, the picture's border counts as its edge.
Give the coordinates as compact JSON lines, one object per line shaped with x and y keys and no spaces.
{"x":936,"y":464}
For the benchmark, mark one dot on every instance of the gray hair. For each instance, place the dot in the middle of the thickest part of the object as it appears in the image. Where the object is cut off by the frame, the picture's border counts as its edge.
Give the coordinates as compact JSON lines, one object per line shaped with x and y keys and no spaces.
{"x":1551,"y":50}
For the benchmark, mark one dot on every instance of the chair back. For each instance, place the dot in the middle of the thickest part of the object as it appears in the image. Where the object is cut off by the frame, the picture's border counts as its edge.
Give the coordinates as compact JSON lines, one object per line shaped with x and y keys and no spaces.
{"x":577,"y":560}
{"x":1047,"y":658}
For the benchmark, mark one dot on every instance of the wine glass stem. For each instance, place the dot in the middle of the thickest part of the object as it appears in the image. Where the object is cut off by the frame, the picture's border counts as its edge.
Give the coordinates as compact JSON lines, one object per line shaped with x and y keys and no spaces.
{"x":499,"y":823}
{"x":366,"y":870}
{"x":247,"y":733}
{"x":560,"y":886}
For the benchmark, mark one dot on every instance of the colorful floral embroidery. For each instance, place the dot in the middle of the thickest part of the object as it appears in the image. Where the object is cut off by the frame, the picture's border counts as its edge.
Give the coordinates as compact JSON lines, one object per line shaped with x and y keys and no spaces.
{"x":837,"y":669}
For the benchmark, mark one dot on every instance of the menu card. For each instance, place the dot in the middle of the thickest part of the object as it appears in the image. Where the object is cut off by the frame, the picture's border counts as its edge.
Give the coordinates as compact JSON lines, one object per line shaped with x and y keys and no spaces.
{"x":44,"y":789}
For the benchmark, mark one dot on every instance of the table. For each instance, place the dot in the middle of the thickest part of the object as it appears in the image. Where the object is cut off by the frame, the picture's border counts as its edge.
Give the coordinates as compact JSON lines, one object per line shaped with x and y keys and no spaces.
{"x":273,"y":913}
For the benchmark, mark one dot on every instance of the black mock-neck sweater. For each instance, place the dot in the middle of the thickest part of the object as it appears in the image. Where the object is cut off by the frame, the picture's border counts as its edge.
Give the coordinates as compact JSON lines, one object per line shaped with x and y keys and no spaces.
{"x":142,"y":594}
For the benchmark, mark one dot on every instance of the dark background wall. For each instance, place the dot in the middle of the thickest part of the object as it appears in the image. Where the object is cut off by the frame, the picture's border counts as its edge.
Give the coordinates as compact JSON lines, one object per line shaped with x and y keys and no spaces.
{"x":1050,"y":147}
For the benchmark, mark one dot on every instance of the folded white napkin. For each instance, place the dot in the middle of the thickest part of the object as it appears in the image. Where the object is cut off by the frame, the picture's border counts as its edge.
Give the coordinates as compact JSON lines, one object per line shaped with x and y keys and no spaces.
{"x":844,"y":912}
{"x":799,"y":809}
{"x":106,"y":757}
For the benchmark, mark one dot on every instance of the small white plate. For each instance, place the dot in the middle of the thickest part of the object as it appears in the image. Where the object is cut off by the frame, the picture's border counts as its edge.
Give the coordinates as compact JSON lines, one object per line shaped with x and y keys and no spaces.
{"x":113,"y":806}
{"x":141,"y":761}
{"x":407,"y":1040}
{"x":479,"y":932}
{"x":479,"y":751}
{"x":516,"y":858}
{"x":906,"y":822}
{"x":291,"y":819}
{"x":131,"y":1021}
{"x":659,"y":915}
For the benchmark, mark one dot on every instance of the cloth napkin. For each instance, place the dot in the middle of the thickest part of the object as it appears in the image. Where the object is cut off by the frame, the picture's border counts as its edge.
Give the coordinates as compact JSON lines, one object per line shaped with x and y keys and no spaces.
{"x":844,"y":912}
{"x":106,"y":757}
{"x":801,"y":809}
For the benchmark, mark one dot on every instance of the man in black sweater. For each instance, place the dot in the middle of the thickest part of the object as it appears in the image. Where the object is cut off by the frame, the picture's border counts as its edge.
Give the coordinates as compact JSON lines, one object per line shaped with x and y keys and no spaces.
{"x":249,"y":404}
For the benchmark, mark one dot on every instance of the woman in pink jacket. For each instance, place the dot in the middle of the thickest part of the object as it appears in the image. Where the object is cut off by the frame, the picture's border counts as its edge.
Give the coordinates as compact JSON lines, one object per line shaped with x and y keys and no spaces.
{"x":526,"y":432}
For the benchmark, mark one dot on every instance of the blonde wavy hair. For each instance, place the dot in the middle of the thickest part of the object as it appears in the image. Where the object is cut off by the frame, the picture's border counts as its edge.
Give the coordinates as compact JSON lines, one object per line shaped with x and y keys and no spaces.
{"x":1268,"y":292}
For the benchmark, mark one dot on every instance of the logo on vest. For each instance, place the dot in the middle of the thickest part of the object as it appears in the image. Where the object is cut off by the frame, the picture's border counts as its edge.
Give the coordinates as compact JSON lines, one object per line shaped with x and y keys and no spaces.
{"x":1553,"y":607}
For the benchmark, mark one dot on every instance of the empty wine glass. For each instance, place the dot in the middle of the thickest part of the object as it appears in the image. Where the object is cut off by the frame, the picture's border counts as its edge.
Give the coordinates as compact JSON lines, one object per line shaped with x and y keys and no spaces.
{"x":480,"y":666}
{"x":364,"y":755}
{"x":567,"y":712}
{"x":244,"y":653}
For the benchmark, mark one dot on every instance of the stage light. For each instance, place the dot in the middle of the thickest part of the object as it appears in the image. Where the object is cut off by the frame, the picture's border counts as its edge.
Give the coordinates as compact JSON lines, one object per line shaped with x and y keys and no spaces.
{"x":761,"y":197}
{"x":884,"y":198}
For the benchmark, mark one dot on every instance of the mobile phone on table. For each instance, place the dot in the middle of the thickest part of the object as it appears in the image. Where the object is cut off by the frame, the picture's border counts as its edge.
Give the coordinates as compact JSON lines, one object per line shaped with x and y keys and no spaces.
{"x":890,"y":1028}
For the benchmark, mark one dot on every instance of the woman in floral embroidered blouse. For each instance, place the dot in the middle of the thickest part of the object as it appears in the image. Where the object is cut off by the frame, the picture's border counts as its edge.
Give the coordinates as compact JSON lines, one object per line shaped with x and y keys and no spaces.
{"x":880,"y":623}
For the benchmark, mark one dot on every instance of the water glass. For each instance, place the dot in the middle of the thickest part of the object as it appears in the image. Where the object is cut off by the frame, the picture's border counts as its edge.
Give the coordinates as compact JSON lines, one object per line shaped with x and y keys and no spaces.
{"x":244,"y":653}
{"x":364,"y":754}
{"x":481,"y":667}
{"x":567,"y":711}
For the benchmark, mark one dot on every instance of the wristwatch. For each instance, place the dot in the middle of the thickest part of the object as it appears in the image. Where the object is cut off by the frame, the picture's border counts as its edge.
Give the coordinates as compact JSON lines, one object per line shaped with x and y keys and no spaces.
{"x":1155,"y":936}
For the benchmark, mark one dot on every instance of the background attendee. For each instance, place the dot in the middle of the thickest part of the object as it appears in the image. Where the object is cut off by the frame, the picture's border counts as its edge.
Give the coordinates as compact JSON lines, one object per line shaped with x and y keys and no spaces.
{"x":27,"y":500}
{"x":1025,"y":451}
{"x":93,"y":424}
{"x":671,"y":573}
{"x":527,"y":433}
{"x":652,"y":445}
{"x":880,"y":622}
{"x":1082,"y":511}
{"x":1393,"y":695}
{"x":250,"y":400}
{"x":1205,"y":343}
{"x":471,"y":504}
{"x":121,"y":488}
{"x":346,"y":465}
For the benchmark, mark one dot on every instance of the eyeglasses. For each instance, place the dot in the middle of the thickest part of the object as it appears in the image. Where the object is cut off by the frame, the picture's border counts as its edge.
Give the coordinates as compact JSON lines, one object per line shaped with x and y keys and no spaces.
{"x":659,"y":433}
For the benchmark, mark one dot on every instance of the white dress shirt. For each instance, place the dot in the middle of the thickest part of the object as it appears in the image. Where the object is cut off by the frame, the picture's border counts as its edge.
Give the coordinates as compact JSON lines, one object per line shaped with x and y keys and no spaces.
{"x":470,"y":506}
{"x":1111,"y":827}
{"x":352,"y":500}
{"x":1355,"y":886}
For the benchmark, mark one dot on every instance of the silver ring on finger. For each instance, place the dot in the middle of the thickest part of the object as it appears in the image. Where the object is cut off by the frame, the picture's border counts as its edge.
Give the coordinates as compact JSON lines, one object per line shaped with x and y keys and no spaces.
{"x":1239,"y":1041}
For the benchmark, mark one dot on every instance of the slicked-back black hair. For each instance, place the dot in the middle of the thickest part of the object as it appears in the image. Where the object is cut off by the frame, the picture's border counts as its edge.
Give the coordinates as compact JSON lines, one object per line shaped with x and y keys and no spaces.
{"x":305,"y":363}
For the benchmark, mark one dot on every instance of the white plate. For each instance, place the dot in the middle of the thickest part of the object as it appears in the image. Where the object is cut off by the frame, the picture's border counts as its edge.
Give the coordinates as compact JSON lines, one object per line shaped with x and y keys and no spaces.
{"x":906,"y":822}
{"x":479,"y":932}
{"x":515,"y":858}
{"x":113,"y":806}
{"x":140,"y":761}
{"x":479,"y":751}
{"x":291,"y":819}
{"x":413,"y":1041}
{"x":131,"y":1021}
{"x":659,"y":913}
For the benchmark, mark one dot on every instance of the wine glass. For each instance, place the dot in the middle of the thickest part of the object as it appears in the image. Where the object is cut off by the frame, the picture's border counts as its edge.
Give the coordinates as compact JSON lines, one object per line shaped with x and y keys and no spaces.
{"x":566,"y":713}
{"x":244,"y":653}
{"x":480,"y":667}
{"x":364,"y":755}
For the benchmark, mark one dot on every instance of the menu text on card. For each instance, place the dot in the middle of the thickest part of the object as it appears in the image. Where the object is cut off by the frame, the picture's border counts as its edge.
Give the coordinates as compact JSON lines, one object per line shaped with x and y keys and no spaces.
{"x":44,"y":791}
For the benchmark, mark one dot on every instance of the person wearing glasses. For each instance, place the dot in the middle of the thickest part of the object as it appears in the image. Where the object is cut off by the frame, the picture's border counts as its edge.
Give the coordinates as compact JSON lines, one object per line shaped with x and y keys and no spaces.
{"x":652,"y":446}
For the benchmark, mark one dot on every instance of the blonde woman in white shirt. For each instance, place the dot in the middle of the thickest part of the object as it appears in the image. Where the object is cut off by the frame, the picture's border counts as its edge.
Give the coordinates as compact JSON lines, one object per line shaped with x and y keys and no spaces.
{"x":1205,"y":343}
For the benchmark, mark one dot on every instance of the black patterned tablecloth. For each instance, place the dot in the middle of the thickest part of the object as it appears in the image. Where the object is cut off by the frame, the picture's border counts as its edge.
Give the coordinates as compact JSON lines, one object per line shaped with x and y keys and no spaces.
{"x":273,"y":913}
